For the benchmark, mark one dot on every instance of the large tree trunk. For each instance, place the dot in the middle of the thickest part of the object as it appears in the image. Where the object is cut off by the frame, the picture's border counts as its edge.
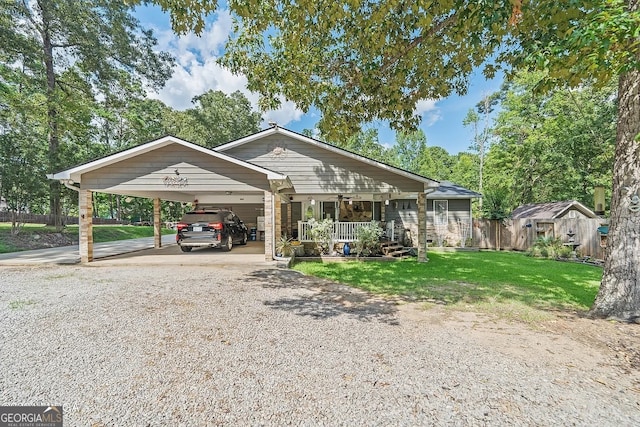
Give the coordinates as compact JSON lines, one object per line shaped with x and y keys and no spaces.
{"x":619,"y":295}
{"x":55,"y":206}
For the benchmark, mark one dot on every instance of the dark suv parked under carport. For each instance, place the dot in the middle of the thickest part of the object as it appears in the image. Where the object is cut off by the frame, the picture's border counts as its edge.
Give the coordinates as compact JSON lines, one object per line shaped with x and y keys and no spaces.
{"x":210,"y":229}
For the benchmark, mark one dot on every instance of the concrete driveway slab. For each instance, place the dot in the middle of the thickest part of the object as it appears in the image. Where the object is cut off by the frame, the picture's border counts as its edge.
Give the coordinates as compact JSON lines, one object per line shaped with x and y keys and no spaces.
{"x":141,"y":251}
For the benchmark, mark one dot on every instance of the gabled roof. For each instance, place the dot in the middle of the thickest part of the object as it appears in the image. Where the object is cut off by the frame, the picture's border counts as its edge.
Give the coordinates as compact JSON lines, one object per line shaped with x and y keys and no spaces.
{"x":76,"y":172}
{"x":449,"y":190}
{"x":550,"y":210}
{"x":279,"y":130}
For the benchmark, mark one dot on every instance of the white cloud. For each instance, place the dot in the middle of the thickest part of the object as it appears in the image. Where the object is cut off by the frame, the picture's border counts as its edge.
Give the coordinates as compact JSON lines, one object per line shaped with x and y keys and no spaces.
{"x":429,"y":111}
{"x":287,"y":113}
{"x":196,"y":70}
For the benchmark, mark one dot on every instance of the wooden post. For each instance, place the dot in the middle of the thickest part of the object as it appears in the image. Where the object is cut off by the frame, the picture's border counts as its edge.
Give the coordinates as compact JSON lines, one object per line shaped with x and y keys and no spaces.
{"x":422,"y":227}
{"x":268,"y":226}
{"x":277,"y":217}
{"x":85,"y":221}
{"x":157,"y":224}
{"x":289,"y":230}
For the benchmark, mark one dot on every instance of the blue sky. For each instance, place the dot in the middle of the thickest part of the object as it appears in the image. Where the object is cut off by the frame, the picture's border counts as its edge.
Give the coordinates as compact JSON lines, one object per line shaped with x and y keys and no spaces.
{"x":196,"y":72}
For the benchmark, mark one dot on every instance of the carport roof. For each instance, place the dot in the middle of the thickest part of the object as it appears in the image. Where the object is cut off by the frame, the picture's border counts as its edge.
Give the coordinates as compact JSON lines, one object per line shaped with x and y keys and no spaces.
{"x":74,"y":174}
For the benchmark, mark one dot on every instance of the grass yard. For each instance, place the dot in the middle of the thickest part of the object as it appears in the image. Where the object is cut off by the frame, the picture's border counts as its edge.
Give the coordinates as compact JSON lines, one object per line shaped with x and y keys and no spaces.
{"x":109,"y":233}
{"x":471,"y":278}
{"x":37,"y":236}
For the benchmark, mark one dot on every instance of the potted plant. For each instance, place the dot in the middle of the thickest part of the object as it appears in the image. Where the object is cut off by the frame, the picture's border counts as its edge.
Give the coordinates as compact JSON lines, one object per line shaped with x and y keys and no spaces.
{"x":285,"y":247}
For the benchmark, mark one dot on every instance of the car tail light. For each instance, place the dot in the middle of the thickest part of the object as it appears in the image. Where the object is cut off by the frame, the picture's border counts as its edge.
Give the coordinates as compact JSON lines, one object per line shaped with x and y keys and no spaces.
{"x":215,"y":225}
{"x":181,"y":225}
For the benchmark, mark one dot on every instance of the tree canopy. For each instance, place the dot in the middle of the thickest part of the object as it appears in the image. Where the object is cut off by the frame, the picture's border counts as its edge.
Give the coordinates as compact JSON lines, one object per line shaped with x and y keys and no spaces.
{"x":358,"y":61}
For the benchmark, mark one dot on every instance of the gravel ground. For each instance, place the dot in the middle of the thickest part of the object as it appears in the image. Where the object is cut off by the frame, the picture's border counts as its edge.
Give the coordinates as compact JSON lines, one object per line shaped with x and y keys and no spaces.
{"x":194,"y":346}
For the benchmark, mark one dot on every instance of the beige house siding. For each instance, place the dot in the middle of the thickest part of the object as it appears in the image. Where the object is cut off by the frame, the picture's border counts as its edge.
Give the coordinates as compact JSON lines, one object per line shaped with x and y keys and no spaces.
{"x":314,"y":170}
{"x":458,"y":210}
{"x":149,"y":171}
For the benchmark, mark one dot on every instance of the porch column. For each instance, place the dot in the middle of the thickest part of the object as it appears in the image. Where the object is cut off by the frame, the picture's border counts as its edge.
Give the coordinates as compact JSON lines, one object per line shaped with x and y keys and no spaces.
{"x":277,"y":216}
{"x":85,"y":225}
{"x":422,"y":227}
{"x":383,"y":212}
{"x":157,"y":227}
{"x":289,"y":230}
{"x":268,"y":226}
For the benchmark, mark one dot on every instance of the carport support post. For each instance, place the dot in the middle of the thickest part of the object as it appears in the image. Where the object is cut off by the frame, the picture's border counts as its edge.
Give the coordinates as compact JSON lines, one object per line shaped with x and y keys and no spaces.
{"x":157,"y":227}
{"x":268,"y":226}
{"x":422,"y":227}
{"x":277,"y":216}
{"x":85,"y":222}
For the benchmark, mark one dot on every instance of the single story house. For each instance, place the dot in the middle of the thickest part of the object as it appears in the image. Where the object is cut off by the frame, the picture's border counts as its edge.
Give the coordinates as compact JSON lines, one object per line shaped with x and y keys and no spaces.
{"x":277,"y":180}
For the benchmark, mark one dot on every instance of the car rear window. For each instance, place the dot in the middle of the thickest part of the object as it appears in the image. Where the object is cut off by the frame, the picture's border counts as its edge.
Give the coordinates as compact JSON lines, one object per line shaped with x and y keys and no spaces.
{"x":191,"y":217}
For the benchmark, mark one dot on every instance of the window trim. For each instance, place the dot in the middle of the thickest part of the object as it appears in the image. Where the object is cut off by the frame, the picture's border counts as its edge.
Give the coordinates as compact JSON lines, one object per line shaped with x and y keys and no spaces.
{"x":436,"y":217}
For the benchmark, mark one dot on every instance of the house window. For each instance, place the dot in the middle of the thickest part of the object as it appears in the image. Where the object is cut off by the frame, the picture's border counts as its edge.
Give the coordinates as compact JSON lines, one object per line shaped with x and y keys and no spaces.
{"x":441,"y":212}
{"x":356,"y":211}
{"x":329,"y":210}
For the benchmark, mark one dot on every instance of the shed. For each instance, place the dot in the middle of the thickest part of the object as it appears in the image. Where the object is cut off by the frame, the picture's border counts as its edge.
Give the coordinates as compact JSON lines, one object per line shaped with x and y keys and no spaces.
{"x":553,"y":210}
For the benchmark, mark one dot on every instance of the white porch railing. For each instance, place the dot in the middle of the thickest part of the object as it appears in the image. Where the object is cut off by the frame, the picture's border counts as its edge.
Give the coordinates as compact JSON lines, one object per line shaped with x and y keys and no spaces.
{"x":342,"y":231}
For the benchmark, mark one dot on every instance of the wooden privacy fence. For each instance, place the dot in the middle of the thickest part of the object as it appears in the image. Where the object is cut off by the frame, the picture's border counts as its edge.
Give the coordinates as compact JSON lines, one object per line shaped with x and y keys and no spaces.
{"x":29,"y":218}
{"x":521,"y":234}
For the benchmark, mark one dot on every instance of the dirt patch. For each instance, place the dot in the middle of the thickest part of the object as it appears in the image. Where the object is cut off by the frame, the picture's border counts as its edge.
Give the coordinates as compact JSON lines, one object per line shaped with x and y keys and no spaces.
{"x":25,"y":241}
{"x":608,"y":349}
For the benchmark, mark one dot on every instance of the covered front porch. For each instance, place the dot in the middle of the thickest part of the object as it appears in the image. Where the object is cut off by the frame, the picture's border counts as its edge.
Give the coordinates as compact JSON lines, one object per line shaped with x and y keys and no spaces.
{"x":345,"y":231}
{"x":395,"y":214}
{"x":347,"y":211}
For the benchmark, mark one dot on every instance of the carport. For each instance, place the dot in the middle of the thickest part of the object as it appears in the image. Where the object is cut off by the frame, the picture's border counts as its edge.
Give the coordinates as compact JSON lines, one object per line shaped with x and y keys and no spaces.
{"x":172,"y":169}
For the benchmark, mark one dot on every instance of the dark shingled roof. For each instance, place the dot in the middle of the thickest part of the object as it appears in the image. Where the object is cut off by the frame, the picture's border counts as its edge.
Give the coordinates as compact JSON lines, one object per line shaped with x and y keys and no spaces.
{"x":550,"y":210}
{"x":449,"y":190}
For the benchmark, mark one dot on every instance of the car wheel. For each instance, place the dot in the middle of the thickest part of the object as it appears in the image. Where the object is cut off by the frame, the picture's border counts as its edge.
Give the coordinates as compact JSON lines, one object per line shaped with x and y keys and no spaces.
{"x":185,"y":248}
{"x":244,"y":239}
{"x":227,"y":246}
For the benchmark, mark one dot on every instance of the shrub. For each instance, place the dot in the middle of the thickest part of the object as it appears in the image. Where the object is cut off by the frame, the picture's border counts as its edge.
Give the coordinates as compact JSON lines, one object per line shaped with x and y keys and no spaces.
{"x":548,"y":247}
{"x":322,"y":234}
{"x":367,"y":237}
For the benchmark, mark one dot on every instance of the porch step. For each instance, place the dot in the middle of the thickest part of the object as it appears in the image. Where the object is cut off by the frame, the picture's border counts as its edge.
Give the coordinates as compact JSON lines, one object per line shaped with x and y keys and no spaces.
{"x":393,"y":249}
{"x":389,"y":243}
{"x":400,"y":253}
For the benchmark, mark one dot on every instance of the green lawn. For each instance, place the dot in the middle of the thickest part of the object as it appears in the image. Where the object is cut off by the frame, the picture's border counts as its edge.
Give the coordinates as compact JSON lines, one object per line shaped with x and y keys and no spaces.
{"x":109,"y":233}
{"x":34,"y":236}
{"x":471,"y":278}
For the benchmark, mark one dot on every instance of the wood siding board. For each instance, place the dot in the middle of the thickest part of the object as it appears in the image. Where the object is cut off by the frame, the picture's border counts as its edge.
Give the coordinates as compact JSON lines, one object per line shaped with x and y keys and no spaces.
{"x":148,"y":171}
{"x":516,"y":235}
{"x":312,"y":169}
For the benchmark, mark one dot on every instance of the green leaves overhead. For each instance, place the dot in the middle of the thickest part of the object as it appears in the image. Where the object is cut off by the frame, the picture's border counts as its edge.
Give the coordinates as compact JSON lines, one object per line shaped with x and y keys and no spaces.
{"x":356,"y":61}
{"x":359,"y":61}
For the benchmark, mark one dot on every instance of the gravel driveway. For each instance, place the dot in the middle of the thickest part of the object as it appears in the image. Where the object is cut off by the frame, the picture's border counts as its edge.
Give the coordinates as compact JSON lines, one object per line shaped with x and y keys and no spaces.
{"x":194,"y":346}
